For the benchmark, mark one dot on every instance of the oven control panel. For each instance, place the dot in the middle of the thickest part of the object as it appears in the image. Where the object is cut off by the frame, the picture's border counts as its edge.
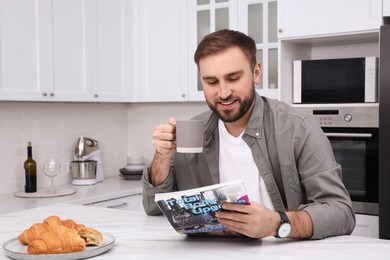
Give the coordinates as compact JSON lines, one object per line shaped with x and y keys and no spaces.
{"x":345,"y":116}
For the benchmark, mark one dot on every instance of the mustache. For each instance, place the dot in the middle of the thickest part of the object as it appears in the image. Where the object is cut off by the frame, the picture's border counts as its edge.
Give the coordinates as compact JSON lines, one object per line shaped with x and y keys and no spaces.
{"x":229,"y":98}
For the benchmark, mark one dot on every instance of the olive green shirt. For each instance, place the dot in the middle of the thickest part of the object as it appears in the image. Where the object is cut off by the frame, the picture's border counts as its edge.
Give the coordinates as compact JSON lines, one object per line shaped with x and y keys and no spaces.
{"x":294,"y":158}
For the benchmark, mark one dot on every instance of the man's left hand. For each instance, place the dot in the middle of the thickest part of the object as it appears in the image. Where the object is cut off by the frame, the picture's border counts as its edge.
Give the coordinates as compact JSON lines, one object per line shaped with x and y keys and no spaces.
{"x":252,"y":220}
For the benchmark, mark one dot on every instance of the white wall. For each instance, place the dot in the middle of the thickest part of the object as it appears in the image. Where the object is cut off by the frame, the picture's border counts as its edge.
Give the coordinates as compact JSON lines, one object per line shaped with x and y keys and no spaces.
{"x":53,"y":129}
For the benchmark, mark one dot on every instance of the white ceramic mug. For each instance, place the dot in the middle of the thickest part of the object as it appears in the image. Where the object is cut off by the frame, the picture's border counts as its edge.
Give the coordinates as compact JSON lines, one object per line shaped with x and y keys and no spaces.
{"x":189,"y":136}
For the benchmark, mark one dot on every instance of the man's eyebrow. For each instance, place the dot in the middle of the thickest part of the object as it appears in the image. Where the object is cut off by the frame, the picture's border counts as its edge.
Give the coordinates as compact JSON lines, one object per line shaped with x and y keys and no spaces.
{"x":234,"y":73}
{"x":227,"y":75}
{"x":208,"y":77}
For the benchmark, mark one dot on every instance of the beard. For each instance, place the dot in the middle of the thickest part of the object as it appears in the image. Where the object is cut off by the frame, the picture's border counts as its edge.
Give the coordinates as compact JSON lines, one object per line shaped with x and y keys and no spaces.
{"x":231,"y":115}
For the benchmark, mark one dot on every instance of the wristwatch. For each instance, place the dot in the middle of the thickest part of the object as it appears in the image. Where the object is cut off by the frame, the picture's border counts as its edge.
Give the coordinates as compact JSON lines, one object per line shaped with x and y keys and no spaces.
{"x":285,"y":226}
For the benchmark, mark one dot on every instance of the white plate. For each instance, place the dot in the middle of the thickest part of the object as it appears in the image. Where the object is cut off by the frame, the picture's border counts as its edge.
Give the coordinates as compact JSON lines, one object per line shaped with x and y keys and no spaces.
{"x":131,"y":176}
{"x":134,"y":167}
{"x":15,"y":250}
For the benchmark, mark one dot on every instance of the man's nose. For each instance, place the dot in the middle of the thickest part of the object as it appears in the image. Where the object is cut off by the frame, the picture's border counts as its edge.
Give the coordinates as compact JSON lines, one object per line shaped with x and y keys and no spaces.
{"x":224,"y":91}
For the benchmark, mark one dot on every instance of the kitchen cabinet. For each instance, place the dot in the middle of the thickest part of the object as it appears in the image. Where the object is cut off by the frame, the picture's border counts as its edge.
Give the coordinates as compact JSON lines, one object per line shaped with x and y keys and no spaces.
{"x":133,"y":203}
{"x":386,"y":8}
{"x":43,"y":50}
{"x":161,"y":61}
{"x":76,"y":50}
{"x":257,"y":18}
{"x":205,"y":17}
{"x":111,"y":46}
{"x":366,"y":226}
{"x":167,"y":71}
{"x":22,"y":59}
{"x":302,"y":18}
{"x":67,"y":50}
{"x":306,"y":32}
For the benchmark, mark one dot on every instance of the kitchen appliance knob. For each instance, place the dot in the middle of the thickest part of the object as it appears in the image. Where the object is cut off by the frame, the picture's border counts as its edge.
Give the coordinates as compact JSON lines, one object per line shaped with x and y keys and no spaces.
{"x":95,"y":95}
{"x":280,"y":30}
{"x":348,"y":117}
{"x":183,"y":95}
{"x":51,"y":94}
{"x":44,"y":94}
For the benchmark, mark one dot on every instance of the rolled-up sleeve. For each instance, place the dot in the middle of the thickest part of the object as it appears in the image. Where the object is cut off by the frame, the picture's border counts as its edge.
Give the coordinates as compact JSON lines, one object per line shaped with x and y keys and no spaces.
{"x":328,"y":201}
{"x":148,"y":191}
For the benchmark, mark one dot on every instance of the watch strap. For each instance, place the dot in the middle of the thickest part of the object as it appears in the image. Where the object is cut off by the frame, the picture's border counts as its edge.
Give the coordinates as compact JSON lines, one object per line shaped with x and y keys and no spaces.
{"x":284,"y":217}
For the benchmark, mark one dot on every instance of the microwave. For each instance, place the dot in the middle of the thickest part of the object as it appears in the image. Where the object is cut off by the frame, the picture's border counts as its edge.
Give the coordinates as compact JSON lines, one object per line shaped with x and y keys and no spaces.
{"x":348,"y":80}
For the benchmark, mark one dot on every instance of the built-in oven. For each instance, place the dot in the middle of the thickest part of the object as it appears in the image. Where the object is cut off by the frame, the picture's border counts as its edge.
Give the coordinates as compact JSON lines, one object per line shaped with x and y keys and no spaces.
{"x":353,"y":134}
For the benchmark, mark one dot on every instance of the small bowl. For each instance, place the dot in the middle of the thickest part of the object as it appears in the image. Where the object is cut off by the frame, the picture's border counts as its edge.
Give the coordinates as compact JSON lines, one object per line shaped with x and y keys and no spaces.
{"x":134,"y":167}
{"x":135,"y":160}
{"x":125,"y":172}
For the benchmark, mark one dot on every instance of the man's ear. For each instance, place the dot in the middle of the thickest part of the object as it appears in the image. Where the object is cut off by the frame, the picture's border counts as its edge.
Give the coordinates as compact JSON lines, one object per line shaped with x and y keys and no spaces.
{"x":257,"y":73}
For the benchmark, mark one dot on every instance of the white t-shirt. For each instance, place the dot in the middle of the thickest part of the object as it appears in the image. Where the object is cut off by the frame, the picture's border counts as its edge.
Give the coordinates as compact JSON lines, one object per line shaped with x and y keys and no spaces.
{"x":236,"y":163}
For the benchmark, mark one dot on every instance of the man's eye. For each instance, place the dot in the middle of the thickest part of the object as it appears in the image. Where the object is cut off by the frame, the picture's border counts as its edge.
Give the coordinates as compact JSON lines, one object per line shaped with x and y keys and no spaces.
{"x":234,"y":78}
{"x":212,"y":82}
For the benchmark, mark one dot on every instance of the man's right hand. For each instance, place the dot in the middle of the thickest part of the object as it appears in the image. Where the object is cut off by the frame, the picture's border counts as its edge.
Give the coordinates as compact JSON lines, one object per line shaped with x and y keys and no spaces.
{"x":164,"y":137}
{"x":163,"y":140}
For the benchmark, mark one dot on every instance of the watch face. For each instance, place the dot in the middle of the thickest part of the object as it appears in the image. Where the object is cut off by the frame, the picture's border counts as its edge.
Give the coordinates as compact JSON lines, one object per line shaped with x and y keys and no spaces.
{"x":284,"y":230}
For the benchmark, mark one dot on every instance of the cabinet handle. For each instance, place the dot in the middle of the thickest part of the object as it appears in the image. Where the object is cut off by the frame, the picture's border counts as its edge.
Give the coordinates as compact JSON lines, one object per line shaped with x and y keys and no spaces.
{"x":357,"y":135}
{"x":117,"y":206}
{"x":44,"y":94}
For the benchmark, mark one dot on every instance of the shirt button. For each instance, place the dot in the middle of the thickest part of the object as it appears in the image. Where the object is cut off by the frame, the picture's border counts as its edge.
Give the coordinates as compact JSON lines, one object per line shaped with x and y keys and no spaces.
{"x":257,"y":134}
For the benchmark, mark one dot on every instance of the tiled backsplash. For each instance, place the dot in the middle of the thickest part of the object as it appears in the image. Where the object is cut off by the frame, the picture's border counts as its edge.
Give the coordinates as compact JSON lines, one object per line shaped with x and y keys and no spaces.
{"x":53,"y":129}
{"x":144,"y":117}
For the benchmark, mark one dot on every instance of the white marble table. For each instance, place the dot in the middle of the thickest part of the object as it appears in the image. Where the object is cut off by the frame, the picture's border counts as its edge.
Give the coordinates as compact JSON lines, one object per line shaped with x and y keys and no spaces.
{"x":144,"y":237}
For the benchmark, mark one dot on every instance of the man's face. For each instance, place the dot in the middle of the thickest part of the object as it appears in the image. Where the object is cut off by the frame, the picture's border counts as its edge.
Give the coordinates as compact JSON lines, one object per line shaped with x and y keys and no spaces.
{"x":228,"y":83}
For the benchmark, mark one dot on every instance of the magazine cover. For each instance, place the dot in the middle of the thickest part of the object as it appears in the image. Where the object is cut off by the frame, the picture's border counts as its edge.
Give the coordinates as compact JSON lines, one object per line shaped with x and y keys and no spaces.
{"x":193,"y":211}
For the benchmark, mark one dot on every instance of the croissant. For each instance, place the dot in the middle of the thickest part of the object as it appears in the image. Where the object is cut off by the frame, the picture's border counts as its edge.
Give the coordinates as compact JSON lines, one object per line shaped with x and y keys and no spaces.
{"x":71,"y":224}
{"x":59,"y":240}
{"x":36,"y":229}
{"x":91,"y":236}
{"x":50,"y":223}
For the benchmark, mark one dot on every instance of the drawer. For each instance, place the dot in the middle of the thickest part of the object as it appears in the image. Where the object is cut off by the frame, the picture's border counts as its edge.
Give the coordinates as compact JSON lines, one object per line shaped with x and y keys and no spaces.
{"x":132,"y":202}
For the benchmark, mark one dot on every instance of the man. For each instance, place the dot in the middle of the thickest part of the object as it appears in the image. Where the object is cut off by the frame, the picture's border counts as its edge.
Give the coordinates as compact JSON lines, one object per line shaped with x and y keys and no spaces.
{"x":283,"y":157}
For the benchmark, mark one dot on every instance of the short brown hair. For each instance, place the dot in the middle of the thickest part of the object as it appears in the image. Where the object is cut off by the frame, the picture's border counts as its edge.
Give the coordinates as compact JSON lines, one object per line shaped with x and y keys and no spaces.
{"x":221,"y":40}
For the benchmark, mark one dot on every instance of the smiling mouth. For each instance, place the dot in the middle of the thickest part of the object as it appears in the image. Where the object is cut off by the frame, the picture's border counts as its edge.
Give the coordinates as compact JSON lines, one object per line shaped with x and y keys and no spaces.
{"x":227,"y":104}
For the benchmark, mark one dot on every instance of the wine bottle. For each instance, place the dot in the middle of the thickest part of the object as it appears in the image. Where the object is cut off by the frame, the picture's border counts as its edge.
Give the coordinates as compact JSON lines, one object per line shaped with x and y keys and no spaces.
{"x":30,"y":168}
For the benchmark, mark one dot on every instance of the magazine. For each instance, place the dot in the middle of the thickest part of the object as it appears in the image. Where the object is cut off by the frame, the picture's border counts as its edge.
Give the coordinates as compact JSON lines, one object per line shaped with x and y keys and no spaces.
{"x":193,"y":211}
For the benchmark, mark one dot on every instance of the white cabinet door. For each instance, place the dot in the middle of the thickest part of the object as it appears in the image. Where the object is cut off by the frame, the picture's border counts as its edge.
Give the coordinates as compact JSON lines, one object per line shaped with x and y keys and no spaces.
{"x":22,"y":54}
{"x":258,"y":19}
{"x":205,"y":17}
{"x":386,"y":8}
{"x":43,"y":50}
{"x":162,"y":44}
{"x":111,"y":47}
{"x":300,"y":18}
{"x":74,"y":50}
{"x":366,"y":226}
{"x":68,"y":51}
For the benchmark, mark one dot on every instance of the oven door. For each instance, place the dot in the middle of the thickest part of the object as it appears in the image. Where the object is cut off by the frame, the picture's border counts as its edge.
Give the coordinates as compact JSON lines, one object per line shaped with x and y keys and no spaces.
{"x":356,"y":150}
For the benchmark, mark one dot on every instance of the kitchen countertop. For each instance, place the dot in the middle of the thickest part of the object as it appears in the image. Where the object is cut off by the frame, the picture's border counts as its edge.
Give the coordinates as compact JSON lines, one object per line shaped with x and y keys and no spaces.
{"x":146,"y":237}
{"x":110,"y":188}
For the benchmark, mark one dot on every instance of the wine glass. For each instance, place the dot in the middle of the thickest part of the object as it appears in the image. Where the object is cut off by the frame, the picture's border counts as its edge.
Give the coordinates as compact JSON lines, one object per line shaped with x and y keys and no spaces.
{"x":51,"y":168}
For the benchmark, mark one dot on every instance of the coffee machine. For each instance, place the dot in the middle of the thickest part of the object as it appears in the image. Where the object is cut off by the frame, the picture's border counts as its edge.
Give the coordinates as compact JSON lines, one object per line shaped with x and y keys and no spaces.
{"x":86,"y":157}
